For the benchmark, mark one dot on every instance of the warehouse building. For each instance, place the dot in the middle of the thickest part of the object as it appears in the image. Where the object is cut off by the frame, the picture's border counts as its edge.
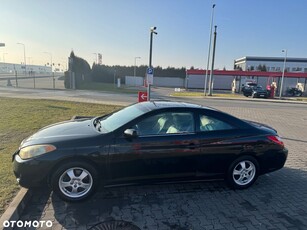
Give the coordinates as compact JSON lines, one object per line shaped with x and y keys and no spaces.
{"x":11,"y":68}
{"x":235,"y":79}
{"x":271,"y":64}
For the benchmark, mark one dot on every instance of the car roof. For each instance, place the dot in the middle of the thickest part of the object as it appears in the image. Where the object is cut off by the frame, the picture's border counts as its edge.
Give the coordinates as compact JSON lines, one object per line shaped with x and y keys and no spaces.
{"x":160,"y":104}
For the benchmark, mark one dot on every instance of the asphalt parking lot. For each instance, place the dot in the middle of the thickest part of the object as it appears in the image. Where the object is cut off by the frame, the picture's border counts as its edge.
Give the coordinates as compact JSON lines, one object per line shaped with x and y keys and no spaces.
{"x":276,"y":201}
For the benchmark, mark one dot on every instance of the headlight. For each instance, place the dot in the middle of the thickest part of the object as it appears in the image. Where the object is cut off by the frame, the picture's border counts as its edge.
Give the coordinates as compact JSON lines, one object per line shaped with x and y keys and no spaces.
{"x":35,"y":150}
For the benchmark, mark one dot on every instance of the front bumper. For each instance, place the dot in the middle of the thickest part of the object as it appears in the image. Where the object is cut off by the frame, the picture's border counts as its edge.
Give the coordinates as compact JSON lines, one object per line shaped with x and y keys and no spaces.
{"x":35,"y":171}
{"x":261,"y":95}
{"x":30,"y":173}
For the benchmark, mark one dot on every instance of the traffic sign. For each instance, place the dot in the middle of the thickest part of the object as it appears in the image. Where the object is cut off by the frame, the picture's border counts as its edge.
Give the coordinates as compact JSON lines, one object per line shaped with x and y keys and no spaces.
{"x":150,"y":70}
{"x":149,"y":76}
{"x":142,"y":96}
{"x":149,"y":79}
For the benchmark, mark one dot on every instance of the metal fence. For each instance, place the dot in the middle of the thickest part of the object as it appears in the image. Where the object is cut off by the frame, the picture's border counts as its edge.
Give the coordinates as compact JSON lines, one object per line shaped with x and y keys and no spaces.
{"x":54,"y":81}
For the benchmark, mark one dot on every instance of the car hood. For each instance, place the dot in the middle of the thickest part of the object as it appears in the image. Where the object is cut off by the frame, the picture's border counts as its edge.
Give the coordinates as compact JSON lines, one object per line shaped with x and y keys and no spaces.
{"x":63,"y":131}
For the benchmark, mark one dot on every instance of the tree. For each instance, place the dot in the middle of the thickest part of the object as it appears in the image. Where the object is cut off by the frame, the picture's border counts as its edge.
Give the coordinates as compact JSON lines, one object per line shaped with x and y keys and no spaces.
{"x":80,"y":68}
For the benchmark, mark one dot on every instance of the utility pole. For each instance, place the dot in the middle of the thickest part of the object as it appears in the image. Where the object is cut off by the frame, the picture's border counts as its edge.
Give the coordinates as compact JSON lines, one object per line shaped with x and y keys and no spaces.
{"x":209,"y":50}
{"x":212,"y":64}
{"x":24,"y":56}
{"x":283,"y":74}
{"x":152,"y":31}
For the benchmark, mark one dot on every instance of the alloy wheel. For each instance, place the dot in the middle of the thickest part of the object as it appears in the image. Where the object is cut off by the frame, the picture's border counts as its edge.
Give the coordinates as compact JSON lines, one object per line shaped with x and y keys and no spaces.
{"x":244,"y":172}
{"x":75,"y":182}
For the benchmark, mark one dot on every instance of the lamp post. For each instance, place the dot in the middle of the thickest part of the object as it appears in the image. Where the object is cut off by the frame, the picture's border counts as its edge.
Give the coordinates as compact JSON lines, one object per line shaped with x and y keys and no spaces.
{"x":29,"y":60}
{"x":152,"y":31}
{"x":212,"y":64}
{"x":114,"y":78}
{"x":24,"y":55}
{"x":96,"y":62}
{"x":4,"y":56}
{"x":53,"y":80}
{"x":50,"y":54}
{"x":134,"y":72}
{"x":209,"y":49}
{"x":283,"y":73}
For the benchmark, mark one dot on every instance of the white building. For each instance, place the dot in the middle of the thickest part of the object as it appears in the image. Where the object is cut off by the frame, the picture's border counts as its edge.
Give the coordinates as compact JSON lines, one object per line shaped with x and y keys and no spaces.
{"x":271,"y":64}
{"x":10,"y":68}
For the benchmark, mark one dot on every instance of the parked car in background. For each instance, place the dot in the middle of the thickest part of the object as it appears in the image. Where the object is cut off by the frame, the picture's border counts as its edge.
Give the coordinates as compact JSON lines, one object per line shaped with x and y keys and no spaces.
{"x":148,"y":141}
{"x":294,"y":92}
{"x":254,"y":90}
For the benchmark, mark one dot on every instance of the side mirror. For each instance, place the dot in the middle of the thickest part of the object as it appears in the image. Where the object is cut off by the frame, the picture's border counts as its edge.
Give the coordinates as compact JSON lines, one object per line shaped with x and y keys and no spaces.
{"x":130,"y":133}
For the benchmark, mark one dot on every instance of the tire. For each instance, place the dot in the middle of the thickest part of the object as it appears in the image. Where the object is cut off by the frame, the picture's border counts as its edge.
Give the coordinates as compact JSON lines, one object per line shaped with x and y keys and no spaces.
{"x":74,"y":181}
{"x":243,"y":172}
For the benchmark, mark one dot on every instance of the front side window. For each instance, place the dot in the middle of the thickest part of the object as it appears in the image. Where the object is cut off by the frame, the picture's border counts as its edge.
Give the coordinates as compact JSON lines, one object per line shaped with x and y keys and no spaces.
{"x":120,"y":118}
{"x":208,"y":123}
{"x":166,"y":123}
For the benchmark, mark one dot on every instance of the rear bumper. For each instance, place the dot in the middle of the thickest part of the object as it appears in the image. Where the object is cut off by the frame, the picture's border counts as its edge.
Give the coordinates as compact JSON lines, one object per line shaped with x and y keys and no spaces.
{"x":274,"y":161}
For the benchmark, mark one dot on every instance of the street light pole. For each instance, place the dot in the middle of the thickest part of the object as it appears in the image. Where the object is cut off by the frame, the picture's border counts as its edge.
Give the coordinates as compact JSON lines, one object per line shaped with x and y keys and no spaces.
{"x":29,"y":60}
{"x":4,"y":56}
{"x":212,"y":64}
{"x":24,"y":56}
{"x":114,"y":78}
{"x":209,"y":49}
{"x":152,"y":31}
{"x":96,"y":58}
{"x":53,"y":80}
{"x":283,"y":73}
{"x":50,"y":54}
{"x":134,"y":72}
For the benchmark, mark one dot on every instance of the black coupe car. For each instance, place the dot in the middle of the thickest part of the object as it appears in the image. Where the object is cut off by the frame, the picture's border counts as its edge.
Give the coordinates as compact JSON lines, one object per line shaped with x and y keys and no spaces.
{"x":255,"y":91}
{"x":149,"y":141}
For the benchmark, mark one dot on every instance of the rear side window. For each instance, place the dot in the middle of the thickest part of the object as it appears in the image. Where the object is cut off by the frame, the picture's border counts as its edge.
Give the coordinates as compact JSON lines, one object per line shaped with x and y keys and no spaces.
{"x":208,"y":123}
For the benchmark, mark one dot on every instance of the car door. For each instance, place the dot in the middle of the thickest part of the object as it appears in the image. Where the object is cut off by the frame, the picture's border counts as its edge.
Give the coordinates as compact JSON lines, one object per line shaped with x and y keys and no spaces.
{"x":166,"y":146}
{"x":220,"y":142}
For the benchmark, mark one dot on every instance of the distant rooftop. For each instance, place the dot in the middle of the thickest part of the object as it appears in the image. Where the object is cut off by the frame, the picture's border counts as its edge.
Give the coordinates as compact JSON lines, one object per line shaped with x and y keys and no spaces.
{"x":273,"y":59}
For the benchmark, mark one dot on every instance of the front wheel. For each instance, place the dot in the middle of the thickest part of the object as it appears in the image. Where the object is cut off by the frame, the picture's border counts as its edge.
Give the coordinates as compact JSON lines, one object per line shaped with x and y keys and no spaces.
{"x":74,"y":181}
{"x":243,"y":172}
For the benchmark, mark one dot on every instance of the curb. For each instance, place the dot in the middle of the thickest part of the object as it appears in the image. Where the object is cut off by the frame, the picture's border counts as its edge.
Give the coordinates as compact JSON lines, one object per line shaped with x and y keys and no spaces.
{"x":16,"y":207}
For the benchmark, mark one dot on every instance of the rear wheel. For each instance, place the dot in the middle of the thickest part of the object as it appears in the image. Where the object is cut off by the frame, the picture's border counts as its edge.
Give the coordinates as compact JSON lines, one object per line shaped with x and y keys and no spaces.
{"x":243,"y":172}
{"x":74,"y":181}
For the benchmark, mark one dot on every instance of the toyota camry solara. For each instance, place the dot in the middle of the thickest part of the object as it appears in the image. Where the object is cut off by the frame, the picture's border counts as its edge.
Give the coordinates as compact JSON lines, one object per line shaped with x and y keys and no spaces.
{"x":149,"y":141}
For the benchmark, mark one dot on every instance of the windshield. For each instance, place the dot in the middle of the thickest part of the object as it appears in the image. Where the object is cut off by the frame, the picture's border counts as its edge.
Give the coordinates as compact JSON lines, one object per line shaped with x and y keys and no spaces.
{"x":114,"y":121}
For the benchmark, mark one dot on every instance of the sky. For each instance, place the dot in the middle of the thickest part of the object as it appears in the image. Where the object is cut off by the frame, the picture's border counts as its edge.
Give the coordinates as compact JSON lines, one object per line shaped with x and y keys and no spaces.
{"x":120,"y":30}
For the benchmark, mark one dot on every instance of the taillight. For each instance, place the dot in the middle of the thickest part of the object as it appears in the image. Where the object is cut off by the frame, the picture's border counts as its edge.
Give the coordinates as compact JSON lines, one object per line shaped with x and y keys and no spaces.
{"x":277,"y":140}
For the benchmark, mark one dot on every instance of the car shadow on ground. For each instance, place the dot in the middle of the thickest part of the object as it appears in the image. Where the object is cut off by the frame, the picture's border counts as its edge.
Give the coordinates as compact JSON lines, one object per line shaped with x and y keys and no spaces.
{"x":276,"y":201}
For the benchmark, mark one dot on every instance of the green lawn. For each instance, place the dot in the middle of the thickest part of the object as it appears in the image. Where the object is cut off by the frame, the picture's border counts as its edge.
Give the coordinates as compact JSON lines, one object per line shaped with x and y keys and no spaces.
{"x":22,"y":117}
